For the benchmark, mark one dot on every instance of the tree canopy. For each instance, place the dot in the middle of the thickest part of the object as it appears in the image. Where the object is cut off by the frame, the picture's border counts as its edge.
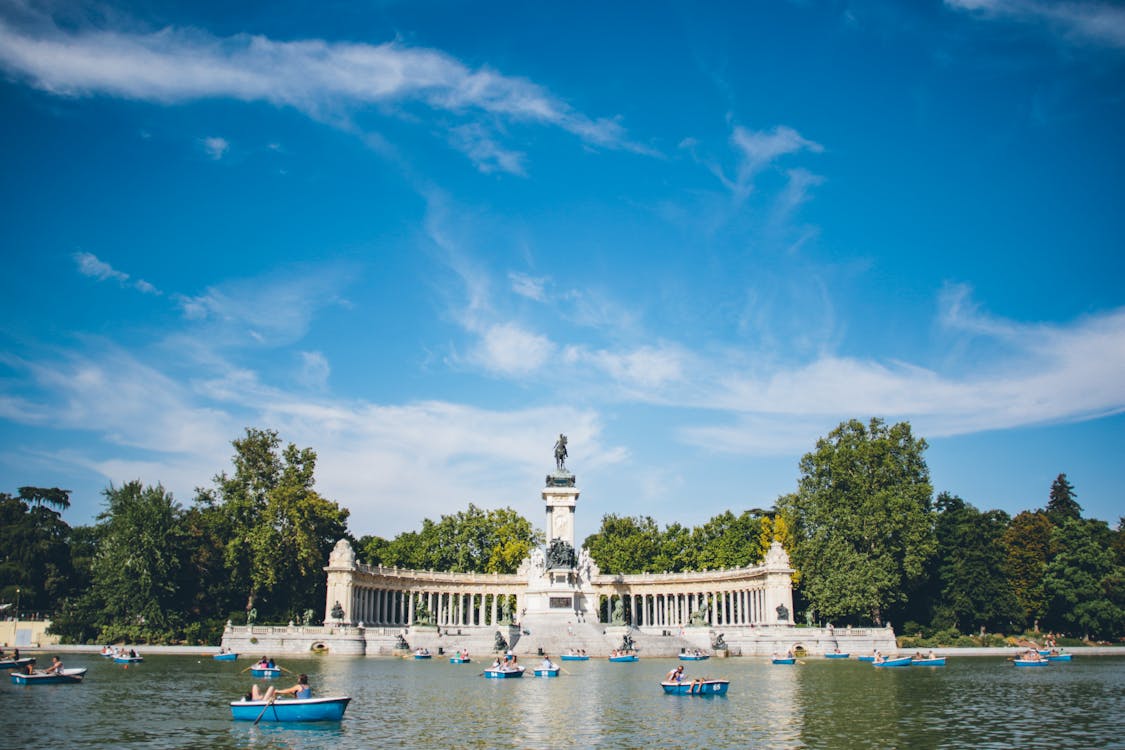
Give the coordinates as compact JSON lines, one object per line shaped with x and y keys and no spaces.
{"x":861,"y":519}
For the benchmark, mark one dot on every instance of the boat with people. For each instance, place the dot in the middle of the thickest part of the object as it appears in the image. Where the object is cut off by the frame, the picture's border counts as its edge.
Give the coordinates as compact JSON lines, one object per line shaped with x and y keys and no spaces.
{"x":458,"y":659}
{"x":838,"y":655}
{"x":422,"y":653}
{"x":931,"y":661}
{"x":17,"y":663}
{"x":547,"y":671}
{"x":226,"y":656}
{"x":1059,"y":657}
{"x":581,"y":656}
{"x":266,"y":672}
{"x":901,"y":661}
{"x":128,"y":658}
{"x":696,"y":655}
{"x":865,"y":658}
{"x":504,"y":671}
{"x":704,"y":686}
{"x":290,"y":710}
{"x":784,"y":660}
{"x":1030,"y":662}
{"x":622,"y":656}
{"x":61,"y":677}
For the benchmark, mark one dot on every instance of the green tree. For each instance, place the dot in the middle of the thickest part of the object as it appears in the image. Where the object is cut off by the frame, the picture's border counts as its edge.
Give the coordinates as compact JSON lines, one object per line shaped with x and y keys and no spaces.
{"x":278,"y":530}
{"x":728,"y":541}
{"x":1062,"y":504}
{"x":625,"y":544}
{"x":1083,"y":581}
{"x":34,"y":552}
{"x":1027,"y":547}
{"x":138,"y":569}
{"x":973,"y":590}
{"x":861,"y":520}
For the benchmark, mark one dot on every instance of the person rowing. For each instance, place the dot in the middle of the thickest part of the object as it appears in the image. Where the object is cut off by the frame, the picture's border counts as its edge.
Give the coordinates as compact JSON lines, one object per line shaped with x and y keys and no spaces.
{"x":676,"y":675}
{"x":300,"y":691}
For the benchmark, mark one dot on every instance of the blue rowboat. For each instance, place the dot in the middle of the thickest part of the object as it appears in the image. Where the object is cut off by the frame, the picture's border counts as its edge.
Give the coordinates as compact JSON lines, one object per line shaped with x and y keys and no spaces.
{"x":785,"y":660}
{"x":547,"y":672}
{"x":694,"y":657}
{"x":128,"y":659}
{"x":1044,"y":651}
{"x":265,"y":672}
{"x":503,"y":674}
{"x":839,"y":656}
{"x":1059,"y":657}
{"x":1031,"y":662}
{"x":575,"y":657}
{"x":865,"y":658}
{"x":627,"y":657}
{"x":68,"y":676}
{"x":699,"y":687}
{"x":17,"y":664}
{"x":225,"y":657}
{"x":304,"y":709}
{"x":900,"y":662}
{"x":459,"y":660}
{"x":937,"y":661}
{"x":423,"y":656}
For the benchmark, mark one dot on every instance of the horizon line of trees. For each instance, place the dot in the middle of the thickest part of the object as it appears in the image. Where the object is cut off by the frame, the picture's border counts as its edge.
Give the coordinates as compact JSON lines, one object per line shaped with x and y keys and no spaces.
{"x":868,"y":540}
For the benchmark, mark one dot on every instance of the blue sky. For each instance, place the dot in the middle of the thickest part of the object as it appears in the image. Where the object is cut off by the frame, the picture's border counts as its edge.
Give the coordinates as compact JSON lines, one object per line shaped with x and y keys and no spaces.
{"x":425,"y":238}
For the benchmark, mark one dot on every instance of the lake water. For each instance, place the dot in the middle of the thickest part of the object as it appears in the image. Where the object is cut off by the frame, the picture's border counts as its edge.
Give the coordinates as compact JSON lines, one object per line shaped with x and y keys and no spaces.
{"x":974,"y":702}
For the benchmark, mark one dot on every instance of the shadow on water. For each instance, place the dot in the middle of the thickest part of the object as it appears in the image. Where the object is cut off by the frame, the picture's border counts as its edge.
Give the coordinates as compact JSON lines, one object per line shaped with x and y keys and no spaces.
{"x":181,"y":702}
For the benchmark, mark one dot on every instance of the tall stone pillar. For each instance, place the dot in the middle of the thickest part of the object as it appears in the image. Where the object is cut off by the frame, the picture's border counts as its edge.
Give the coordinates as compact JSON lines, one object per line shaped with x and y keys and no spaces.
{"x":341,"y":569}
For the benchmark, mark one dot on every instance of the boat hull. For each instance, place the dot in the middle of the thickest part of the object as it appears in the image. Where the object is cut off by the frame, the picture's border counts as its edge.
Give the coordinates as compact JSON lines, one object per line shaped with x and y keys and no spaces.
{"x":1059,"y":657}
{"x":504,"y":674}
{"x":789,"y":660}
{"x":265,"y":672}
{"x":423,"y":656}
{"x":574,"y":657}
{"x":547,"y":672}
{"x":865,"y":658}
{"x":455,"y":660}
{"x":693,"y":657}
{"x":1031,"y":662}
{"x":225,"y":657}
{"x":937,"y":662}
{"x":307,"y":709}
{"x":630,"y":657}
{"x":68,"y":677}
{"x":16,"y":663}
{"x":836,"y":656}
{"x":903,"y":662}
{"x":707,"y":687}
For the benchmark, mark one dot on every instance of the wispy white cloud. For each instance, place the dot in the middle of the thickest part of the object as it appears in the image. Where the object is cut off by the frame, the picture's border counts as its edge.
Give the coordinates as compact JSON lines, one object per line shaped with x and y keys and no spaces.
{"x":1094,"y":22}
{"x":531,"y":287}
{"x":326,"y":80}
{"x":215,"y":147}
{"x":509,"y":349}
{"x":757,"y":150}
{"x":314,"y":370}
{"x":92,"y":266}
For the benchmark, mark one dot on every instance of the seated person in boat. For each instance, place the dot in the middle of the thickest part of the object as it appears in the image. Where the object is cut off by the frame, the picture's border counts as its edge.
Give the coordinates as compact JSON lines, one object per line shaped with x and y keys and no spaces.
{"x":547,"y":663}
{"x":676,"y":675}
{"x":55,"y":668}
{"x":495,"y":663}
{"x":299,"y":691}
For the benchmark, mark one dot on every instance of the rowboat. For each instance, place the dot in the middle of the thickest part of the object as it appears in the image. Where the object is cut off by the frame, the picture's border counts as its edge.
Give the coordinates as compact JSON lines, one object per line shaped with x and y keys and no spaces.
{"x":694,"y":657}
{"x":303,"y":709}
{"x":698,"y":687}
{"x":1044,"y":652}
{"x":903,"y":661}
{"x":127,"y":659}
{"x":547,"y":672}
{"x":785,"y":660}
{"x":265,"y":672}
{"x":420,"y":655}
{"x":501,"y":674}
{"x":459,"y":660}
{"x":865,"y":658}
{"x":839,"y":656}
{"x":1059,"y":657}
{"x":67,"y":676}
{"x":626,"y":657}
{"x":575,"y":657}
{"x":937,"y":661}
{"x":1031,"y":662}
{"x":17,"y":664}
{"x":226,"y":657}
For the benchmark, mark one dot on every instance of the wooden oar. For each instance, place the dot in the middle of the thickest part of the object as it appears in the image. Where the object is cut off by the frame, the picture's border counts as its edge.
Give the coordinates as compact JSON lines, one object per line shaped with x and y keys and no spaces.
{"x":248,"y":668}
{"x":283,"y":669}
{"x":263,"y":713}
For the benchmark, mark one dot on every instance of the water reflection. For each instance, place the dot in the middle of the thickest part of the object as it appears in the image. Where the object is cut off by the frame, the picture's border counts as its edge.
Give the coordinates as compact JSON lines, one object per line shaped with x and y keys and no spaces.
{"x":179,"y":702}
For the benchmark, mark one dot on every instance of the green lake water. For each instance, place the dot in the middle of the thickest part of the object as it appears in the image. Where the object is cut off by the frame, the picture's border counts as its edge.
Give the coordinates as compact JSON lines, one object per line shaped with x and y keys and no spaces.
{"x":974,"y":702}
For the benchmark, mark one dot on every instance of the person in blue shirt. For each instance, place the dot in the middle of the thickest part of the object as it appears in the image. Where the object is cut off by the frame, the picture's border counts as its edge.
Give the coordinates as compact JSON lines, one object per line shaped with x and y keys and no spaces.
{"x":300,"y":691}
